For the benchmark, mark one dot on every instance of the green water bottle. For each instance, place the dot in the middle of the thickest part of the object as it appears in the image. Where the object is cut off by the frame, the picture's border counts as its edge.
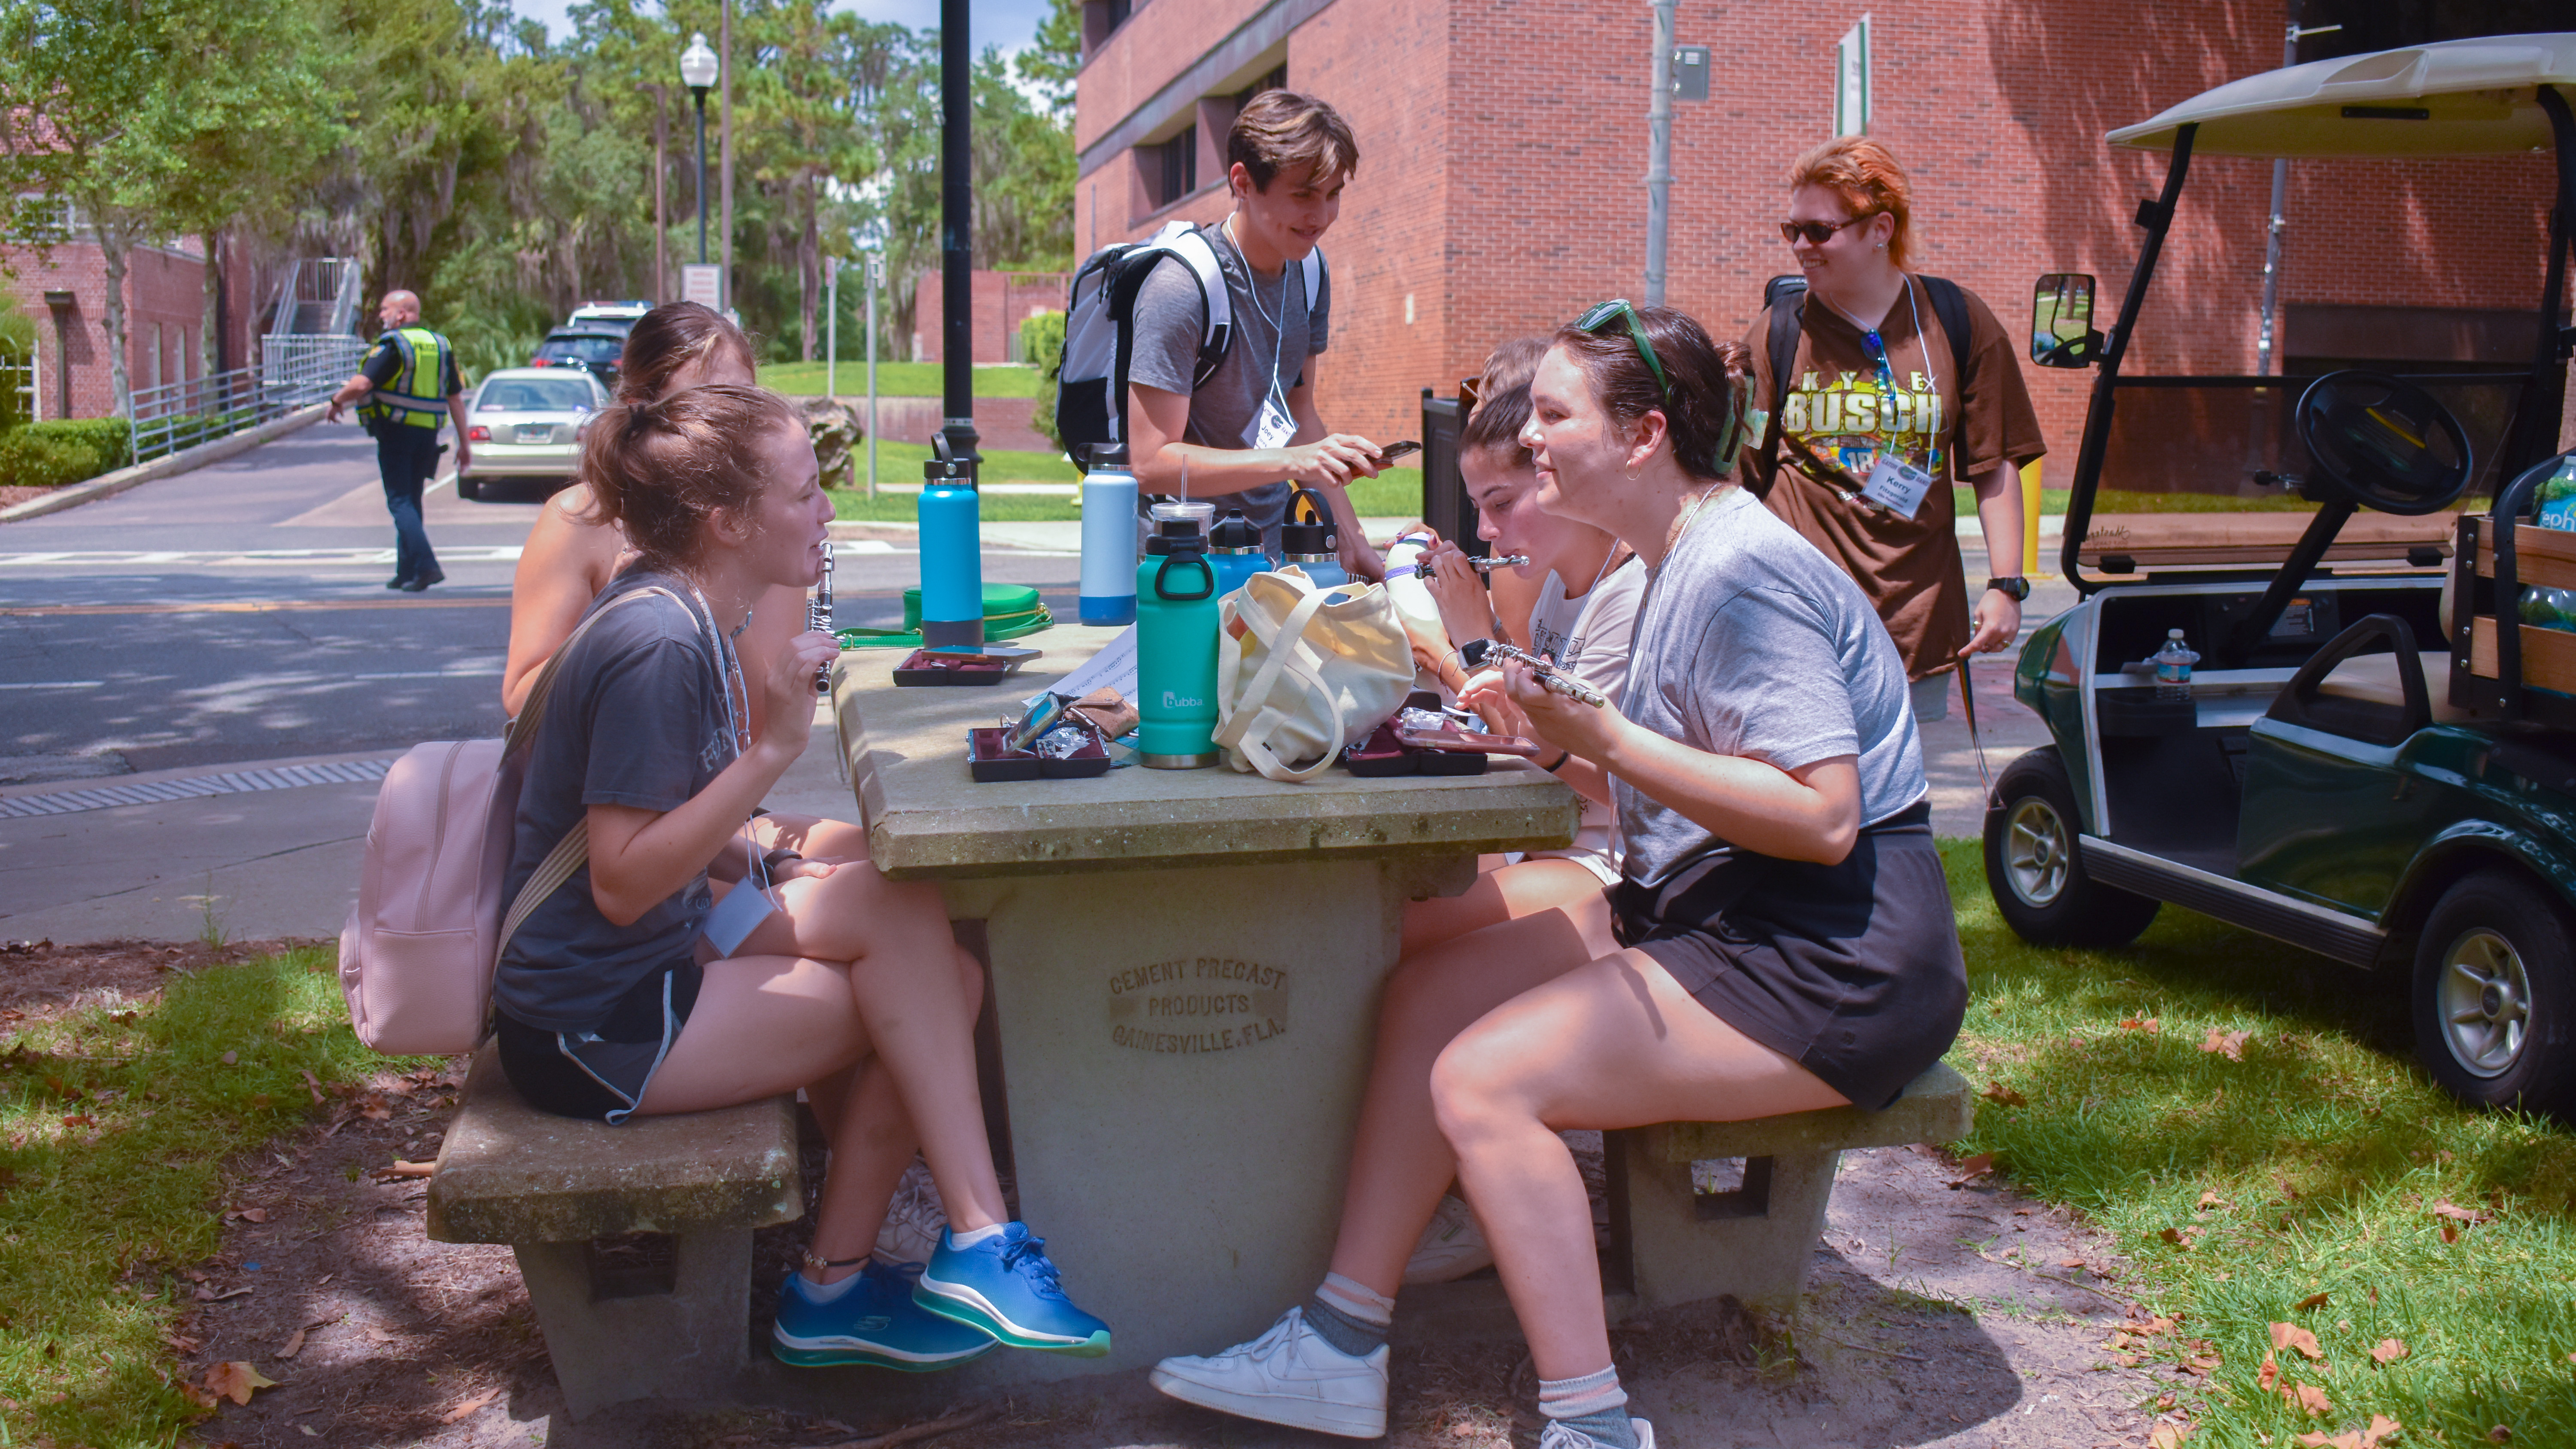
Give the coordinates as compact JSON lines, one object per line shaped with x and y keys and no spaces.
{"x":1176,"y":623}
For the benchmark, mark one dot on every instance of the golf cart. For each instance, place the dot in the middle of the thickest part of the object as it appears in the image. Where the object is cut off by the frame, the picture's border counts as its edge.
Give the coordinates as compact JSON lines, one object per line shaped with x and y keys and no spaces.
{"x":2375,"y":759}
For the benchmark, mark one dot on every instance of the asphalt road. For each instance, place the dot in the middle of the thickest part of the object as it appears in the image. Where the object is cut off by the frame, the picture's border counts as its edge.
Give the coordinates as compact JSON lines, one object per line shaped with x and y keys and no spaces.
{"x":238,"y":613}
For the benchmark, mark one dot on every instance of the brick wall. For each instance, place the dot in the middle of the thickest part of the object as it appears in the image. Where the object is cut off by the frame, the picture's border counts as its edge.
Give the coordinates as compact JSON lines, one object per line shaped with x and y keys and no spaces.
{"x":1503,"y":152}
{"x":164,"y":289}
{"x":1002,"y":301}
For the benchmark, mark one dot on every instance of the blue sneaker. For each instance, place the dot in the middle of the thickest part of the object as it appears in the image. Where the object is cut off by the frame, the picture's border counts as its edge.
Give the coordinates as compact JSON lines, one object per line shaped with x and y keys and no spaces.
{"x":874,"y":1323}
{"x":1005,"y":1286}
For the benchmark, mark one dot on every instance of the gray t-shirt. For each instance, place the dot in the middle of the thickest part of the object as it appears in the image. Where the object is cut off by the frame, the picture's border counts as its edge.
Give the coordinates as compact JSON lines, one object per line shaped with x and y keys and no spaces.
{"x":1276,"y":329}
{"x":1590,"y":637}
{"x":637,"y":717}
{"x":1752,"y":643}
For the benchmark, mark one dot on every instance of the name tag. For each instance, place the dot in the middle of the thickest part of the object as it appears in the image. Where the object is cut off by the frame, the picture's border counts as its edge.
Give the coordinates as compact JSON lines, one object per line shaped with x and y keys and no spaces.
{"x":1276,"y":427}
{"x":1897,"y":486}
{"x":736,"y":916}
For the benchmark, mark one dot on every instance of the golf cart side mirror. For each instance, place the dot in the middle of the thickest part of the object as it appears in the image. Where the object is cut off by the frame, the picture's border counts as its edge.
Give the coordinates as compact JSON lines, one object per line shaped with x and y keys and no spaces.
{"x":2061,"y":329}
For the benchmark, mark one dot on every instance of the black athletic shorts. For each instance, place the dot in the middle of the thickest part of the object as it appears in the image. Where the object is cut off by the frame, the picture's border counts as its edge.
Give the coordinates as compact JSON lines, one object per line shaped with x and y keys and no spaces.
{"x":601,"y":1074}
{"x":1852,"y":970}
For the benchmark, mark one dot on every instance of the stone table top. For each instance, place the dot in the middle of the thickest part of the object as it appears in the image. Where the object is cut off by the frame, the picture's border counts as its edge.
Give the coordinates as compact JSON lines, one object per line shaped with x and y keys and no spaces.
{"x":927,"y":820}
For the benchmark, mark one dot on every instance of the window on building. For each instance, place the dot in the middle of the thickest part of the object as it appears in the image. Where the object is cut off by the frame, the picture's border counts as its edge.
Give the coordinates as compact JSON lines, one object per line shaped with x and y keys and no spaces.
{"x":1172,"y":167}
{"x":43,"y":220}
{"x":1276,"y":80}
{"x":1100,"y":18}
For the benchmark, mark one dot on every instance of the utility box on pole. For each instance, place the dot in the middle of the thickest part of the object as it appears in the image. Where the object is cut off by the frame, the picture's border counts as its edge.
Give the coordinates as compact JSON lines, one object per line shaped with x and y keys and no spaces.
{"x":1690,"y":72}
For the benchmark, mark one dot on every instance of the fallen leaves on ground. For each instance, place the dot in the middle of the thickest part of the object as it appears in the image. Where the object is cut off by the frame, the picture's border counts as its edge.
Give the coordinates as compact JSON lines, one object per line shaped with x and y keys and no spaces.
{"x":234,"y":1379}
{"x":2141,"y":1023}
{"x":2390,"y":1350}
{"x":2499,"y":1435}
{"x":2310,"y":1398}
{"x":2292,"y":1336}
{"x":2268,"y":1377}
{"x":2382,"y":1428}
{"x":2003,"y":1096}
{"x":2313,"y":1300}
{"x":294,"y":1345}
{"x":2211,"y":1199}
{"x":2168,"y":1436}
{"x":1972,"y":1168}
{"x":2229,"y":1044}
{"x":468,"y":1406}
{"x":399,"y":1168}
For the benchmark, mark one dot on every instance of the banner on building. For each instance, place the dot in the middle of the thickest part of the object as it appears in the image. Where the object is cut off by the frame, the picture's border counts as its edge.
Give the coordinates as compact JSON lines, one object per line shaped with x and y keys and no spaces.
{"x":1851,"y":81}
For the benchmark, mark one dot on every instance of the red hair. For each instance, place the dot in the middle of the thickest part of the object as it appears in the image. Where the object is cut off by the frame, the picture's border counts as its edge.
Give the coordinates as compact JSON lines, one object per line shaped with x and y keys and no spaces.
{"x":1865,"y":175}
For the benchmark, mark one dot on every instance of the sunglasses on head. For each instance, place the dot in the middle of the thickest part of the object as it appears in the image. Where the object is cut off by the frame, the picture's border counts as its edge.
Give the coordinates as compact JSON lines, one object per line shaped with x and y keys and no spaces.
{"x":1817,"y":233}
{"x":1469,"y":389}
{"x":1599,"y":319}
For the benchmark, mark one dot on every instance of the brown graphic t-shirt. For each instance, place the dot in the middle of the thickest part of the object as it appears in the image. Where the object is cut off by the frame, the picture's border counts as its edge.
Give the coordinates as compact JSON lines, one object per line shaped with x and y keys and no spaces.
{"x":1845,"y":408}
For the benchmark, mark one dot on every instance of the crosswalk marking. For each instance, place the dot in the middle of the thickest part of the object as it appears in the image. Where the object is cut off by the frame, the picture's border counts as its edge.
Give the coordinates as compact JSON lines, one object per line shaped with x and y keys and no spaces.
{"x":106,"y":797}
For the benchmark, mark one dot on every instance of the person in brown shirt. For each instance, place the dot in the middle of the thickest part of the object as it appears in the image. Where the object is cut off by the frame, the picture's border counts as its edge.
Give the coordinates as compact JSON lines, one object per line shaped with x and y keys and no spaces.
{"x":1877,"y":423}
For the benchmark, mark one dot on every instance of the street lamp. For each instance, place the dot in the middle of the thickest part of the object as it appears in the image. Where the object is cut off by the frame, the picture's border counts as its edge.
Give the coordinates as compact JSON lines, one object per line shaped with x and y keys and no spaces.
{"x":698,"y":72}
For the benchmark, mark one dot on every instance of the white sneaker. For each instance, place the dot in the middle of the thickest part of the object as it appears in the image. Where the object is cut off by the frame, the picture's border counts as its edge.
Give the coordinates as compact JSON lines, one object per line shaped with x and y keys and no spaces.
{"x":1560,"y":1435}
{"x":914,"y":1219}
{"x":1290,"y":1376}
{"x":1451,"y":1248}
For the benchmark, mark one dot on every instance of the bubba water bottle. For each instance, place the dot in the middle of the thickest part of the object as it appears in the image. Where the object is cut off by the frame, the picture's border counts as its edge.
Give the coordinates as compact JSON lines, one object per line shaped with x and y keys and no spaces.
{"x":1176,"y":623}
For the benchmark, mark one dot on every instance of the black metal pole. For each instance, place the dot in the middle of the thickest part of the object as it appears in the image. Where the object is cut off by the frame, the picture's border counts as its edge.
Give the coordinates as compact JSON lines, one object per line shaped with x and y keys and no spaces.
{"x":956,"y":200}
{"x":701,"y":93}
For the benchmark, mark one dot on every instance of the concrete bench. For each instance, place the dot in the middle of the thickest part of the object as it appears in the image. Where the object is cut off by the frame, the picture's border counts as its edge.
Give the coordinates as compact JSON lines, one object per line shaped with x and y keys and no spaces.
{"x":1752,"y":1243}
{"x":634,"y":1241}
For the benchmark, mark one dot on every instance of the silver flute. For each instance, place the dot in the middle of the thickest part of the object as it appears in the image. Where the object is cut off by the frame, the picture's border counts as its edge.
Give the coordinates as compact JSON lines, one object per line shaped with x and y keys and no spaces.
{"x":1506,"y":561}
{"x":818,"y":618}
{"x":1542,"y":669}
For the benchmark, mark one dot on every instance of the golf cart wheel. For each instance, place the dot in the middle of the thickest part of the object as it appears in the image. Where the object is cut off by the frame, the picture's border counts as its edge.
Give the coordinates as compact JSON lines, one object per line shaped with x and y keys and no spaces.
{"x":2495,"y":989}
{"x":2035,"y":868}
{"x":469,"y":487}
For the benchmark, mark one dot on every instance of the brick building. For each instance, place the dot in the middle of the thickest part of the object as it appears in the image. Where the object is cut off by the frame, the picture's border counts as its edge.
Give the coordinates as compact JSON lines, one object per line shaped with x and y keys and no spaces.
{"x":1503,"y":150}
{"x":165,"y":318}
{"x":1002,"y":301}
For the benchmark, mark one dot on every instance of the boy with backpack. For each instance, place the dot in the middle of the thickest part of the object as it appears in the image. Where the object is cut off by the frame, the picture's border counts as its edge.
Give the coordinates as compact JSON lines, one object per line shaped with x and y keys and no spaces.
{"x":1197,"y":348}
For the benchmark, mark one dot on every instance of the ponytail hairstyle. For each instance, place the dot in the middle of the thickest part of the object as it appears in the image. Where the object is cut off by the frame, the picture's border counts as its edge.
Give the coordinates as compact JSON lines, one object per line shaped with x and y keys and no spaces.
{"x":669,"y":338}
{"x":661,"y":470}
{"x":1502,"y":402}
{"x":1705,"y":416}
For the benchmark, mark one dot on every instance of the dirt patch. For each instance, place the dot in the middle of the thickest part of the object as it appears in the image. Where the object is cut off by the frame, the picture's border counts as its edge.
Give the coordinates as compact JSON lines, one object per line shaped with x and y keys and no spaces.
{"x":41,"y":978}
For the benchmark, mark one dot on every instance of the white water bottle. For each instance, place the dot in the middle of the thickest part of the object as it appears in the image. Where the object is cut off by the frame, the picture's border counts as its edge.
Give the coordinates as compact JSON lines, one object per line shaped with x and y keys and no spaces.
{"x":2173,"y":667}
{"x":1108,"y":537}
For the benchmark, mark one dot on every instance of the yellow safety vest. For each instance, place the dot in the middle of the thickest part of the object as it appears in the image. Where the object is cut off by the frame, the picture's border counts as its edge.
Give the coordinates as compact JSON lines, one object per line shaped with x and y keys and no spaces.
{"x":412,"y":398}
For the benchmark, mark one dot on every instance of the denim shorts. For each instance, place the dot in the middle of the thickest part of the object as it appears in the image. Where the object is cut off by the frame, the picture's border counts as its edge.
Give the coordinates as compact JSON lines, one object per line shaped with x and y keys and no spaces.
{"x":602,"y":1074}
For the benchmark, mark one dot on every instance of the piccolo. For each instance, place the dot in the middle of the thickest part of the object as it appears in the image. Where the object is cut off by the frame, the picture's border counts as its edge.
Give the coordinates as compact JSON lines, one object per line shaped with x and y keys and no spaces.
{"x":1482,"y":652}
{"x":1506,"y":561}
{"x":818,"y":618}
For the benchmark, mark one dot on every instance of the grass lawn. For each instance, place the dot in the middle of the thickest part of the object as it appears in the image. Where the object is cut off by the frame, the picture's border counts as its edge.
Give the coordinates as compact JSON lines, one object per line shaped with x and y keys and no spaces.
{"x":117,"y":1126}
{"x":1398,"y":494}
{"x":896,"y":379}
{"x":2320,"y":1185}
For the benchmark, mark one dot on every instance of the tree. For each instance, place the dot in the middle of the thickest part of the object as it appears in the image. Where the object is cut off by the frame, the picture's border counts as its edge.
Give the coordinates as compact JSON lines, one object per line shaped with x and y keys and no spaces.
{"x":154,"y":117}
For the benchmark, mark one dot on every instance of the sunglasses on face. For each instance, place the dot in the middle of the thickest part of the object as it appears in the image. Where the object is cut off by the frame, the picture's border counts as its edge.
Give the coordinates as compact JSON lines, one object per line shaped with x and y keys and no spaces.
{"x":1599,"y":319}
{"x":1817,"y":233}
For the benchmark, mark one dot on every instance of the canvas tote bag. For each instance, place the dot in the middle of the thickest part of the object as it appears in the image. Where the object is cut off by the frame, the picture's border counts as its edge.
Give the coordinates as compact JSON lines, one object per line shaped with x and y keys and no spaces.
{"x":1303,"y":672}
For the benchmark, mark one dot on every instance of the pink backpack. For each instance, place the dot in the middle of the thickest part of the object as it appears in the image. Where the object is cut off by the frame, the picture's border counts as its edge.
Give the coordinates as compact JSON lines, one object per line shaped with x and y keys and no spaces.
{"x":417,"y":954}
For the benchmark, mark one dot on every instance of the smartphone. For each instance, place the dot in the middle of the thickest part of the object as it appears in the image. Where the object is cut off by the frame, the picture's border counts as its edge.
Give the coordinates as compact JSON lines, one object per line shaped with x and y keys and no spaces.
{"x":1393,"y":451}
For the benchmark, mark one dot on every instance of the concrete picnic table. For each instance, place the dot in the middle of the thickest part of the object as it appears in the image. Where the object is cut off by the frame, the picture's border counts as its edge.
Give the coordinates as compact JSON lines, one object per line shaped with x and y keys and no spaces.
{"x":1185,"y":967}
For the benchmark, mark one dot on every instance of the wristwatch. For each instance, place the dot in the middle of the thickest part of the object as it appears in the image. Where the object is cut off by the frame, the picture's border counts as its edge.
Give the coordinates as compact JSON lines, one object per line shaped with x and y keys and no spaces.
{"x":2016,"y":586}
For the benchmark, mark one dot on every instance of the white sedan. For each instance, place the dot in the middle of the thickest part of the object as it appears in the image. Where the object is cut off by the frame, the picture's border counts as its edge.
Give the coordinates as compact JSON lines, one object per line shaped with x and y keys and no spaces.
{"x":526,"y":422}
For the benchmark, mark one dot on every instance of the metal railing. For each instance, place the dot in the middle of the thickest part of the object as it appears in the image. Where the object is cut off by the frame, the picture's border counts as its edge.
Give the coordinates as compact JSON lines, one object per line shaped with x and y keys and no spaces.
{"x":293,"y":372}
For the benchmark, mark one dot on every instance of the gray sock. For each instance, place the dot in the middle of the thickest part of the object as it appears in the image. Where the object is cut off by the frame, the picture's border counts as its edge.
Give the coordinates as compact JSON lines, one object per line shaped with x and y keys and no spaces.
{"x":1354,"y":1336}
{"x":1608,"y":1427}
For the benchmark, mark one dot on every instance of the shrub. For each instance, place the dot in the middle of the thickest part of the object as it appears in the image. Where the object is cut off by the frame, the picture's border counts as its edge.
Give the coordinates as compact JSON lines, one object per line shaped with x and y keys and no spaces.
{"x":48,"y":455}
{"x":1042,"y":347}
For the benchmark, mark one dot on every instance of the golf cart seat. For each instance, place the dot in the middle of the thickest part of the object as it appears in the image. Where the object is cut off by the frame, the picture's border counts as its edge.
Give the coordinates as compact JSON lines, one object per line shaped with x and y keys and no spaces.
{"x":2373,"y":679}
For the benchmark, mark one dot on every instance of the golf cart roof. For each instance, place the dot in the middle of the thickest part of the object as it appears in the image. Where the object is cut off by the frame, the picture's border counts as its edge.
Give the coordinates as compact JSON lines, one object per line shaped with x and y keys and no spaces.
{"x":2448,"y":98}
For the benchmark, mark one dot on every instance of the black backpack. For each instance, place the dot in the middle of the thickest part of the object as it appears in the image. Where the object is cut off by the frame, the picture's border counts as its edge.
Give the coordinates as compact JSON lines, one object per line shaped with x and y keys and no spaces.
{"x":1949,"y":303}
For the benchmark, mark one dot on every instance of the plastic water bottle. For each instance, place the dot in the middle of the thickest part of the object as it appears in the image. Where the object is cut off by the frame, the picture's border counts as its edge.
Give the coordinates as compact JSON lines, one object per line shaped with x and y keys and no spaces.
{"x":1108,"y":537}
{"x":1176,"y":623}
{"x":952,"y":559}
{"x":1234,"y":549}
{"x":2558,"y":498}
{"x":1307,"y":540}
{"x":2173,"y":667}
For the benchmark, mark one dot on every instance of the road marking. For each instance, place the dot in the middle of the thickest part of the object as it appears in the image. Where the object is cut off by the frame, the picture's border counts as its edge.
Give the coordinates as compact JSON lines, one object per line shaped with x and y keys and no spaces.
{"x":493,"y":553}
{"x":106,"y":797}
{"x":480,"y":669}
{"x":274,"y":606}
{"x":58,"y":684}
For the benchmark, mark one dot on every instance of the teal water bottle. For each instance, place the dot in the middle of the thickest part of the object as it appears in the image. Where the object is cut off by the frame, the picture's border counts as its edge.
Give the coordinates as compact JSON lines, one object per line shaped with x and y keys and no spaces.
{"x":1234,"y":550}
{"x":952,"y":559}
{"x":1307,"y":539}
{"x":1176,"y":622}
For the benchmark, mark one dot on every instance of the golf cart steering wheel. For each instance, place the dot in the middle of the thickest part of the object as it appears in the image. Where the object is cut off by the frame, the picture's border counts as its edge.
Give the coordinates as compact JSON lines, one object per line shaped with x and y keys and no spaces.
{"x":2383,"y":444}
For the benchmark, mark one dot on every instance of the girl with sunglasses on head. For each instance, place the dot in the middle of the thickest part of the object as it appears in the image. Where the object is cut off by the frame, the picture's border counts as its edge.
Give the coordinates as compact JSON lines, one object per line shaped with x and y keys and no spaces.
{"x":1779,"y":940}
{"x":1877,"y":419}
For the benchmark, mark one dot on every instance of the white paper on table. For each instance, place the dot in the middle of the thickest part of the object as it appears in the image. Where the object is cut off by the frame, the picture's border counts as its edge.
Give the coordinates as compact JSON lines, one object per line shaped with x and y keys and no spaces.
{"x":1114,"y":667}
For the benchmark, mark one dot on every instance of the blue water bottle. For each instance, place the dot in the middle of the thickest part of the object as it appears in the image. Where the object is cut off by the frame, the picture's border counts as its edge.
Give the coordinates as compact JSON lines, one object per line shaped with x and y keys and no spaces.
{"x":1108,"y":537}
{"x":1176,"y":623}
{"x":952,"y":559}
{"x":1234,"y":550}
{"x":1307,"y":540}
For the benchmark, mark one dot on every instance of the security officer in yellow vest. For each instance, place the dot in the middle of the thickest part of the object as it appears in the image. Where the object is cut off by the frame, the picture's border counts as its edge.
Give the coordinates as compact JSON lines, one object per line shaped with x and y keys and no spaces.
{"x":408,"y":380}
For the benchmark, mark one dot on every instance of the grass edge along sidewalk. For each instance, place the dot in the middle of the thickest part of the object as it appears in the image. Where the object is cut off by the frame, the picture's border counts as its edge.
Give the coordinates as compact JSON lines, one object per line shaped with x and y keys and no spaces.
{"x":119,"y":1121}
{"x":2327,"y":1239}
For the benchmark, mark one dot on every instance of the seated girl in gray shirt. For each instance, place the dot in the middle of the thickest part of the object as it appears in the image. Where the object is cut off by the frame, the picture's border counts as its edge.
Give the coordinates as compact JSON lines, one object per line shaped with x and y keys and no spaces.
{"x":1780,"y":939}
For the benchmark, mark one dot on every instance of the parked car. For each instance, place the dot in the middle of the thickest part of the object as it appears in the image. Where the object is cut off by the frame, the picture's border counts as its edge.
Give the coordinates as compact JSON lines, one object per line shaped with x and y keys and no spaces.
{"x":2356,"y":767}
{"x":527,"y":422}
{"x":595,"y":348}
{"x":617,"y":317}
